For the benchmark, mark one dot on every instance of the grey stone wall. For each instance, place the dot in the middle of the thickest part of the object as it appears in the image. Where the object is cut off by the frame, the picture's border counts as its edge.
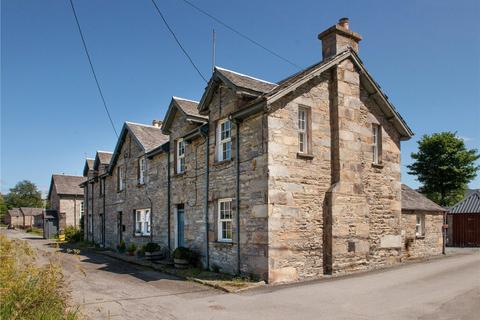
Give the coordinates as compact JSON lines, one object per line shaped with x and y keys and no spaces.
{"x":151,"y":195}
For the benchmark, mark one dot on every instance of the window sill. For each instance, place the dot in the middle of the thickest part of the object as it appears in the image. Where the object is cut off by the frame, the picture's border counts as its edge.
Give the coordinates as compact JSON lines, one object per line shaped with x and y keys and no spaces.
{"x":140,"y":185}
{"x":119,"y":191}
{"x":139,"y":235}
{"x":419,"y":237}
{"x":180,"y":174}
{"x":224,"y":243}
{"x":306,"y":156}
{"x":223,"y":162}
{"x":377,"y":165}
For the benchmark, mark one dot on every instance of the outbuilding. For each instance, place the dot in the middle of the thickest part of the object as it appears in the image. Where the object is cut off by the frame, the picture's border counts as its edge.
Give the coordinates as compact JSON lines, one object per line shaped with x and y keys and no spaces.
{"x":14,"y":218}
{"x":422,"y":224}
{"x":464,"y":222}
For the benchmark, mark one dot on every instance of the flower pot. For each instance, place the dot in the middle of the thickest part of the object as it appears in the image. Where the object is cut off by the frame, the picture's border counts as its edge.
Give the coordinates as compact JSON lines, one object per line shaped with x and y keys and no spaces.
{"x":180,"y":263}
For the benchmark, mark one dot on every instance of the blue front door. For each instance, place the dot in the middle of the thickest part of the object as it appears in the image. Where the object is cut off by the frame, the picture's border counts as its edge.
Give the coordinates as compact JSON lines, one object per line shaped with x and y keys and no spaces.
{"x":181,"y":225}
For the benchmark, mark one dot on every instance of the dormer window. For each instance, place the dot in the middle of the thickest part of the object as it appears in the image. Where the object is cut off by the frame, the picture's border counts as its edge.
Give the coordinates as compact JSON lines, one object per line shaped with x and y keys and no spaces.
{"x":224,"y":140}
{"x":180,"y":156}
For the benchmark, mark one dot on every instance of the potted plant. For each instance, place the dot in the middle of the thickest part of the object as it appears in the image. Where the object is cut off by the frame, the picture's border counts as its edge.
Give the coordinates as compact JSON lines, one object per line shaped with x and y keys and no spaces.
{"x":182,"y":257}
{"x":151,"y":249}
{"x":121,"y":247}
{"x":131,"y":249}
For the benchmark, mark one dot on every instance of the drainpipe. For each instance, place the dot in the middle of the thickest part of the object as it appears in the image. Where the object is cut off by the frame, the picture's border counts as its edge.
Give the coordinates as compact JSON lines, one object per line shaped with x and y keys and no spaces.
{"x":104,"y":213}
{"x":86,"y":213}
{"x":207,"y":172}
{"x":237,"y":178}
{"x":168,"y":201}
{"x":75,"y":210}
{"x":444,"y":232}
{"x":93,"y":218}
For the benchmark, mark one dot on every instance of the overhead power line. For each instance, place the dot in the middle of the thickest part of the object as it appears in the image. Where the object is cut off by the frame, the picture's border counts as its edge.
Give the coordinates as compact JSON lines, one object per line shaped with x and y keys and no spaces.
{"x":178,"y":41}
{"x":93,"y":70}
{"x":241,"y":34}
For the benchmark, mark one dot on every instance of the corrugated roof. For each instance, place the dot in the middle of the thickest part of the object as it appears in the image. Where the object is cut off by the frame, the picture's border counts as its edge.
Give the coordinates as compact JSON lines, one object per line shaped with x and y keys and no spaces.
{"x":413,"y":200}
{"x":67,"y":185}
{"x":28,"y":211}
{"x":470,"y":204}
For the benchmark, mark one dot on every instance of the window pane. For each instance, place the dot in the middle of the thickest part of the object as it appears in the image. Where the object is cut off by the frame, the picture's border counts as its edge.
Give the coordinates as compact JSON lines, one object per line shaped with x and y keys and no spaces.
{"x":301,"y":142}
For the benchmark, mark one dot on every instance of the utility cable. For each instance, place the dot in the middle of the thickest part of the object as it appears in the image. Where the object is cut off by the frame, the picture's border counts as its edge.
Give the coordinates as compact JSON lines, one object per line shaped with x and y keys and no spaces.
{"x":178,"y":41}
{"x":241,"y":34}
{"x":91,"y":67}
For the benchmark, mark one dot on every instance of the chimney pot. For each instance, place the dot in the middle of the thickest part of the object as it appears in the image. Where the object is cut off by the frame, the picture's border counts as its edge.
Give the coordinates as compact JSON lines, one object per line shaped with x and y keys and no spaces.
{"x":344,"y":23}
{"x":157,"y":123}
{"x":339,"y":38}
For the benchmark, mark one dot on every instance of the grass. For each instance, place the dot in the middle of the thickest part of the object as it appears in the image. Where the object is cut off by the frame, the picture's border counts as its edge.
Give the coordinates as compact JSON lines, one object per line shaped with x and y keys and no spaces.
{"x":35,"y":230}
{"x":29,"y":291}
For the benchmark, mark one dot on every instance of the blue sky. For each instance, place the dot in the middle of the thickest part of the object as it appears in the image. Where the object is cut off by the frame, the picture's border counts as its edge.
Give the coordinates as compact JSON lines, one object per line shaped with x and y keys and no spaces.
{"x":424,"y":54}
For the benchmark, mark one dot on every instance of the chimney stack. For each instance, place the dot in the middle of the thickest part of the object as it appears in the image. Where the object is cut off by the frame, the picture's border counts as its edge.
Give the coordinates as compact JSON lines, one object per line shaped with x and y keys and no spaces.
{"x":338,"y":38}
{"x":157,"y":123}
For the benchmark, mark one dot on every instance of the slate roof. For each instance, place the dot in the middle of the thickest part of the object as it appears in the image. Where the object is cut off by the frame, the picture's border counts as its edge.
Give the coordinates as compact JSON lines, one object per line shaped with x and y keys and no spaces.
{"x":90,"y":163}
{"x":104,"y":156}
{"x":190,"y":107}
{"x":149,"y":137}
{"x":66,"y":185}
{"x":415,"y":201}
{"x":470,"y":204}
{"x":246,"y":81}
{"x":88,"y":166}
{"x":27,"y":211}
{"x":15,"y":212}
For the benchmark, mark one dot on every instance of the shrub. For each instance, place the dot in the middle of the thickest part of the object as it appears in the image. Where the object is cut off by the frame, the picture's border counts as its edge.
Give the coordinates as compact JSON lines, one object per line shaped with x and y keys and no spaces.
{"x":121,"y":247}
{"x":151,"y":247}
{"x":131,"y":248}
{"x":28,"y":291}
{"x":185,"y":253}
{"x":73,"y":234}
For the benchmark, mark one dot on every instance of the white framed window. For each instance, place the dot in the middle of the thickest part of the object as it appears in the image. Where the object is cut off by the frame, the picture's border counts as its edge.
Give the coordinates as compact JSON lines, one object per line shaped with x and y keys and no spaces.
{"x":141,"y":170}
{"x":120,"y":178}
{"x":224,"y":140}
{"x":142,"y":222}
{"x":101,"y":187}
{"x":303,"y":130}
{"x":180,"y":156}
{"x":420,"y":226}
{"x":377,"y":143}
{"x":225,"y":227}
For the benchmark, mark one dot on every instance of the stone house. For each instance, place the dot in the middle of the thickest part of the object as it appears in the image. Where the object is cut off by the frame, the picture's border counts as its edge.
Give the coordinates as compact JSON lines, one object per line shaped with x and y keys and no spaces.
{"x":14,"y":218}
{"x":66,"y":197}
{"x":123,"y":190}
{"x":32,"y":217}
{"x":287,"y":181}
{"x":422,"y":221}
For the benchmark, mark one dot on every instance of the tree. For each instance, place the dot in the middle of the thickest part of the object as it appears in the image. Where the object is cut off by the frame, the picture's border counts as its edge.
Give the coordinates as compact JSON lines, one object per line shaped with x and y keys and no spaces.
{"x":444,"y":166}
{"x":3,"y":207}
{"x":24,"y":194}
